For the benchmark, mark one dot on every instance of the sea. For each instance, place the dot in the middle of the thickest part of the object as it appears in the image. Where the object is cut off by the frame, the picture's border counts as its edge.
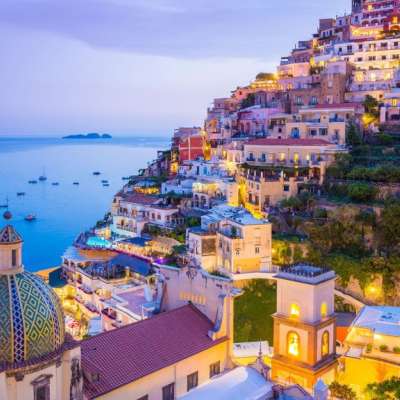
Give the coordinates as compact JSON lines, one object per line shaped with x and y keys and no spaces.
{"x":65,"y":210}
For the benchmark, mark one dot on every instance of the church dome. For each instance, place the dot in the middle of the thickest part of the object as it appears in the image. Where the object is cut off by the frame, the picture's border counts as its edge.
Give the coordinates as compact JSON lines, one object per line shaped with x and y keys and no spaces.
{"x":31,"y":316}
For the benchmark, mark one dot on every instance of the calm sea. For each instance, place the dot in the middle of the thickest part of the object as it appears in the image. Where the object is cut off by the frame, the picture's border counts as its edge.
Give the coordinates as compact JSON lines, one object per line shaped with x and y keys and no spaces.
{"x":64,"y":211}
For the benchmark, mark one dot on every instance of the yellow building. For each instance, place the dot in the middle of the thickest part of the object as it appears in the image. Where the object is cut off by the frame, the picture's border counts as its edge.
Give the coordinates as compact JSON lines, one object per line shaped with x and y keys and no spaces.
{"x":373,"y":347}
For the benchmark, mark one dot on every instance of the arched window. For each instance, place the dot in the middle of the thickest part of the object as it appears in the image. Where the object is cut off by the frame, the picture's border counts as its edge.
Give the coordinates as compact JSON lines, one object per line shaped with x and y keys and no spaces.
{"x":325,"y":344}
{"x":293,"y":344}
{"x":324,"y":310}
{"x":294,"y":310}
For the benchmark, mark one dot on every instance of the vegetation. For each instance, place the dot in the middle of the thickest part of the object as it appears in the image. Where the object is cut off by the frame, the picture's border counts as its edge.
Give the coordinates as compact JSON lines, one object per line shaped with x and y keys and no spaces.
{"x":253,"y":310}
{"x":342,"y":392}
{"x":388,"y":389}
{"x":249,"y":101}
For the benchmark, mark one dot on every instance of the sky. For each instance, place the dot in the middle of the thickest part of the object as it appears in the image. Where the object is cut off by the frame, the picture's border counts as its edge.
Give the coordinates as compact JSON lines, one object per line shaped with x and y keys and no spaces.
{"x":137,"y":67}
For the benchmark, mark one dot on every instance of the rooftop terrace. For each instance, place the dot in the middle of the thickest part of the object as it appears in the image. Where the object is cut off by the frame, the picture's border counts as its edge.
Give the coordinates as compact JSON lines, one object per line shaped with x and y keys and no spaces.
{"x":306,"y":273}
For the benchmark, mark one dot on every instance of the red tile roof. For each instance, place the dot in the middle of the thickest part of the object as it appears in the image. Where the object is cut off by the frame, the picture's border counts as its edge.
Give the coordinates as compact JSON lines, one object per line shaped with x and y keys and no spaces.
{"x":139,"y":198}
{"x":129,"y":353}
{"x":289,"y":142}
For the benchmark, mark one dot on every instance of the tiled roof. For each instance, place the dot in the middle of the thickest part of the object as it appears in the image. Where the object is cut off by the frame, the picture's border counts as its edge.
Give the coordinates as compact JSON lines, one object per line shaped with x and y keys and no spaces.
{"x":129,"y":353}
{"x":289,"y":142}
{"x":139,"y":198}
{"x":9,"y":235}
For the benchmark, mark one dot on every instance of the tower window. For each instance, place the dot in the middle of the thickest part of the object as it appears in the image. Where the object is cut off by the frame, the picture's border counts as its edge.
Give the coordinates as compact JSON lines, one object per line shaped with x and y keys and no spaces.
{"x":324,"y":310}
{"x":294,"y":310}
{"x":293,"y":344}
{"x":14,"y":258}
{"x":325,"y":344}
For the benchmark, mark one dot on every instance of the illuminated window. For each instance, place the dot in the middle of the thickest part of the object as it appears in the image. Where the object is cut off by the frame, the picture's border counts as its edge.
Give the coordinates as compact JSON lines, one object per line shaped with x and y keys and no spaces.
{"x":325,"y":344}
{"x":324,"y":310}
{"x":293,"y":344}
{"x":296,"y":157}
{"x":394,"y":102}
{"x":294,"y":310}
{"x":282,"y":156}
{"x":395,"y":20}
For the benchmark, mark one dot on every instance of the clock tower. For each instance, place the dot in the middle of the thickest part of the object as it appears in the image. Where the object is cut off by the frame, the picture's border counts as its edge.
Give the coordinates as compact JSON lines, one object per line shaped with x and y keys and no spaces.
{"x":304,"y":326}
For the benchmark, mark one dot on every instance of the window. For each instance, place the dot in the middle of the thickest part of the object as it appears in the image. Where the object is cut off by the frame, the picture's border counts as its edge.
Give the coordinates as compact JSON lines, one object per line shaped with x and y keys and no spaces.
{"x":324,"y":310}
{"x":41,"y":387}
{"x":286,"y":188}
{"x":192,"y":380}
{"x":215,"y":369}
{"x":293,"y":344}
{"x":325,"y":344}
{"x":294,"y":310}
{"x":168,"y":392}
{"x":14,"y":258}
{"x":257,"y":250}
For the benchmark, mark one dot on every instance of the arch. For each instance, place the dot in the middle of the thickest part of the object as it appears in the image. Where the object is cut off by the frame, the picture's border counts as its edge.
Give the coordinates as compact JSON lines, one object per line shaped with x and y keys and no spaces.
{"x":325,"y":344}
{"x":295,"y":134}
{"x":293,"y":344}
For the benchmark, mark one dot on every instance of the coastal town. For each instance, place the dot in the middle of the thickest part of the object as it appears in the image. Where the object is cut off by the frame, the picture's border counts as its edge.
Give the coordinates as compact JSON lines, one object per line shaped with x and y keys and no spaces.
{"x":258,"y":257}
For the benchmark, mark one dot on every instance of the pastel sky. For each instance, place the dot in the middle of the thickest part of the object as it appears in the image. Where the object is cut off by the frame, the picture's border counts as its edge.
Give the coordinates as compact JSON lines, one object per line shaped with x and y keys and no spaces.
{"x":137,"y":66}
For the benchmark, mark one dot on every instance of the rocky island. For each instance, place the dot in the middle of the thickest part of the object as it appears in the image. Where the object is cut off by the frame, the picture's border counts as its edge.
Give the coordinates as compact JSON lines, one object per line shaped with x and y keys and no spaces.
{"x":89,"y":136}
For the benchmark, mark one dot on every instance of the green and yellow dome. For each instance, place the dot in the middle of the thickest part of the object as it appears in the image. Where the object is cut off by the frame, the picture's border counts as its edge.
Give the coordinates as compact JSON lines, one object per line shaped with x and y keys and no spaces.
{"x":31,"y":316}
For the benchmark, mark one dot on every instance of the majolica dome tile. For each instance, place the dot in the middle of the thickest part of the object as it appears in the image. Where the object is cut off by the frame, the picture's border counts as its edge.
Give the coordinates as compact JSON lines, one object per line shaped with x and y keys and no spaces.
{"x":31,"y":318}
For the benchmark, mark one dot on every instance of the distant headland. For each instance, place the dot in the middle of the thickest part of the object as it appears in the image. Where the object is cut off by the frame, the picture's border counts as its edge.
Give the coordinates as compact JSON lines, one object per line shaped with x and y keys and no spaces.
{"x":89,"y":136}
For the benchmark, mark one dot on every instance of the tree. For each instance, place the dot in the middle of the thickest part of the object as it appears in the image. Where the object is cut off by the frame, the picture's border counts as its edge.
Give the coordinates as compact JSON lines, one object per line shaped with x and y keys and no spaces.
{"x":353,"y":135}
{"x":362,"y":192}
{"x":371,"y":105}
{"x":342,"y":392}
{"x":389,"y":227}
{"x":388,"y":389}
{"x":249,"y":101}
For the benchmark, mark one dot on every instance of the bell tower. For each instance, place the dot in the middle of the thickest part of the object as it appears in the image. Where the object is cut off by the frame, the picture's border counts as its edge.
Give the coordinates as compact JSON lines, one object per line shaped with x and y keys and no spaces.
{"x":304,"y":326}
{"x":10,"y":251}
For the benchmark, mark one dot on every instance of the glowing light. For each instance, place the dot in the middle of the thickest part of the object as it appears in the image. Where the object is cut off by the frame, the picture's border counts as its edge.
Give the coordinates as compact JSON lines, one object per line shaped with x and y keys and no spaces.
{"x":294,"y":310}
{"x":293,"y":344}
{"x":324,"y":310}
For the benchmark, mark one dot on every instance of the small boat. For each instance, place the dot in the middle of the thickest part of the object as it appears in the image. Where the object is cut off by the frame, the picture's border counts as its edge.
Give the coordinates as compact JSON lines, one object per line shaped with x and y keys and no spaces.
{"x":125,"y":178}
{"x":33,"y":182}
{"x":20,"y":193}
{"x":76,"y":183}
{"x":30,"y":217}
{"x":96,"y":173}
{"x":5,"y":205}
{"x":106,"y":184}
{"x":104,"y":181}
{"x":55,"y":183}
{"x":43,"y":177}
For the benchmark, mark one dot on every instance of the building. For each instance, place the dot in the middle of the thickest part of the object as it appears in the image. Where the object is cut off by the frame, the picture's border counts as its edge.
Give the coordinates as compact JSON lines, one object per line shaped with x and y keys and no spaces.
{"x":132,"y":211}
{"x":37,"y":359}
{"x":304,"y":326}
{"x":232,"y":242}
{"x":372,"y":347}
{"x":191,"y":148}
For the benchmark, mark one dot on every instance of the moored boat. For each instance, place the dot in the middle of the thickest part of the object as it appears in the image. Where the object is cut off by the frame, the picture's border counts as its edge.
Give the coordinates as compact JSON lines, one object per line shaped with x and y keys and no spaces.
{"x":30,"y":217}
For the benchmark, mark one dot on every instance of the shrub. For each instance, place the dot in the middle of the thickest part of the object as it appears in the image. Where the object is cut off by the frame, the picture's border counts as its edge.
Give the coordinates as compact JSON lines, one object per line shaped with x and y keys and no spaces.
{"x":362,"y":192}
{"x":384,"y":347}
{"x":369,"y":348}
{"x":396,"y":350}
